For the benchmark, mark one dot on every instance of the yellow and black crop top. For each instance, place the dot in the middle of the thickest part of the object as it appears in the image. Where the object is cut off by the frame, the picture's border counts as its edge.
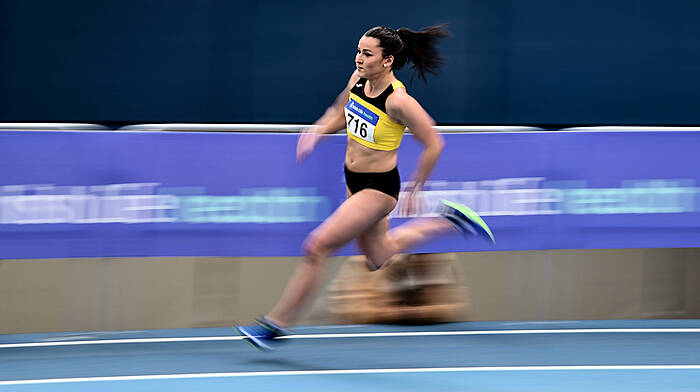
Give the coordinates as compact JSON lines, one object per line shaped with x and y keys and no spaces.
{"x":367,"y":121}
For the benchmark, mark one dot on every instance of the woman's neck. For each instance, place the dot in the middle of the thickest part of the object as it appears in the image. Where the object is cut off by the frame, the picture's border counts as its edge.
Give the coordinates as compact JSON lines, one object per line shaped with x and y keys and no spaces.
{"x":376,"y":85}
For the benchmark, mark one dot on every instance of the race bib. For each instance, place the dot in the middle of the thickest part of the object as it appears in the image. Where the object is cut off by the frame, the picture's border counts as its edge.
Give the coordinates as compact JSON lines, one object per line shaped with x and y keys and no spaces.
{"x":361,"y":121}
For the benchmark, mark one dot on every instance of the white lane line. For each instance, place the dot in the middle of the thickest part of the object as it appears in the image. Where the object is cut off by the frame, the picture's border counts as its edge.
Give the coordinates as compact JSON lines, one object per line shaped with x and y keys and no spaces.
{"x":351,"y":371}
{"x":356,"y":335}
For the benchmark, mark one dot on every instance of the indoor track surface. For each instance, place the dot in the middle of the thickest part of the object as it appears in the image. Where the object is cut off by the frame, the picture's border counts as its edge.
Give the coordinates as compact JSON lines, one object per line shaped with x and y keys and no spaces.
{"x":631,"y":355}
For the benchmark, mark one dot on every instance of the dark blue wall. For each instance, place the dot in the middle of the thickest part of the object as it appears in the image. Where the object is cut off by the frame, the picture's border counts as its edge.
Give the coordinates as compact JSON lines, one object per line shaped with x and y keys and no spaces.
{"x":509,"y":62}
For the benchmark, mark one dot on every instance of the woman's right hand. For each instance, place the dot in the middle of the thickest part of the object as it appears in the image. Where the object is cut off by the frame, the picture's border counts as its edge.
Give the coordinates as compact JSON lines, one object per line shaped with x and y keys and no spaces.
{"x":306,"y":143}
{"x":411,"y":202}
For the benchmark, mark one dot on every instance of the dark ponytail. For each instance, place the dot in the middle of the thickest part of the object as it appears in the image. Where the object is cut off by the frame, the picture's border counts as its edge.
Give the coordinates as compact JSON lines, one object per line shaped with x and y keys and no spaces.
{"x":418,"y":47}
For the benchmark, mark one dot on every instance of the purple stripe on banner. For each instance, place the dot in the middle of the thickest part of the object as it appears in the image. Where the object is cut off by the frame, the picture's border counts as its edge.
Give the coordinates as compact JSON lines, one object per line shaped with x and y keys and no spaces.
{"x":114,"y":194}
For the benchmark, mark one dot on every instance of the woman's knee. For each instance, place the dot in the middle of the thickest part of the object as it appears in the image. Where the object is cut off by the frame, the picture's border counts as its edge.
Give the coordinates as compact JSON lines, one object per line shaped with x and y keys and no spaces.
{"x":315,"y":248}
{"x":377,"y":249}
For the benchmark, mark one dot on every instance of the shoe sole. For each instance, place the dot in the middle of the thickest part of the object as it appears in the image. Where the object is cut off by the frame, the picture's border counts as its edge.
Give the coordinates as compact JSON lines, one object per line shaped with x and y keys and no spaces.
{"x":252,"y":340}
{"x":477,"y":224}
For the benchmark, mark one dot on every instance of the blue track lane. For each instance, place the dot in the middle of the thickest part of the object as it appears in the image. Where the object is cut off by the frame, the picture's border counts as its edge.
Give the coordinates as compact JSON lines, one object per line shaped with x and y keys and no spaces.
{"x":481,"y":356}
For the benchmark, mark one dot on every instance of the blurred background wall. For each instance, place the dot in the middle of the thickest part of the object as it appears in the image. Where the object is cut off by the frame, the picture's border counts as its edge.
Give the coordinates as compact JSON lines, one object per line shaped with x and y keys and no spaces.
{"x":142,"y":293}
{"x":544,"y":62}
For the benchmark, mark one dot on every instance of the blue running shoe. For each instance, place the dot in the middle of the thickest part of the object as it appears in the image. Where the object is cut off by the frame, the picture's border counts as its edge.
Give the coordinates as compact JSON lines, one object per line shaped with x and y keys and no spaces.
{"x":263,"y":335}
{"x":465,"y":219}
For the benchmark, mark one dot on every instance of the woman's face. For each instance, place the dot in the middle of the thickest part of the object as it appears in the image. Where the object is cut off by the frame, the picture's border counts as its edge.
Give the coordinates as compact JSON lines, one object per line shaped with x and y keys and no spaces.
{"x":369,"y":59}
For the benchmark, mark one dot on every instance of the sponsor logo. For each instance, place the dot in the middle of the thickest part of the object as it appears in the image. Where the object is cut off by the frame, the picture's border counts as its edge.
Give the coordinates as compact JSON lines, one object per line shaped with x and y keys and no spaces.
{"x":366,"y":114}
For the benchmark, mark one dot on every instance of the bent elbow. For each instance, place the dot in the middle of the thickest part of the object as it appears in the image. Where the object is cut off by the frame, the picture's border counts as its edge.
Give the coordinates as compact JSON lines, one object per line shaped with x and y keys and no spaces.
{"x":439,"y":143}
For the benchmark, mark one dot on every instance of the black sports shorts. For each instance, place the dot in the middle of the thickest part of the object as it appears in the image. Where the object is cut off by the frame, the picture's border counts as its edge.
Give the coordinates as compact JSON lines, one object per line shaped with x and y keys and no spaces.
{"x":386,"y":182}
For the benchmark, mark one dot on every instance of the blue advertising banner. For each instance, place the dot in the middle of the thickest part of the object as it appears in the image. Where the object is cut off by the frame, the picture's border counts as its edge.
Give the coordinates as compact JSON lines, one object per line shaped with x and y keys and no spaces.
{"x":130,"y":194}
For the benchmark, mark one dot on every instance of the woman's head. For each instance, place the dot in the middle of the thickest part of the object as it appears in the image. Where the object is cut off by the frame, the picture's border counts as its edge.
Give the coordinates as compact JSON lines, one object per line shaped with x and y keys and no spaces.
{"x":370,"y":60}
{"x":398,"y":47}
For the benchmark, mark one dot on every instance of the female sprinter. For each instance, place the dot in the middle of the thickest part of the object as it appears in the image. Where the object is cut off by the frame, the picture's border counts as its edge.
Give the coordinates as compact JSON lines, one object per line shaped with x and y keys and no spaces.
{"x":375,"y":109}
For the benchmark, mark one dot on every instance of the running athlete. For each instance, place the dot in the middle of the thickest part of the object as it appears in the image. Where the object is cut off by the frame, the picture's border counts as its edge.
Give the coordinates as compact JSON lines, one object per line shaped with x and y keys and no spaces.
{"x":375,"y":109}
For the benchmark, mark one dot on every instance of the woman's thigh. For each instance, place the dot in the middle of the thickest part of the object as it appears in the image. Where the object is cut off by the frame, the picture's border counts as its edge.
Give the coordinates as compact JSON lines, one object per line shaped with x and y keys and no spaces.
{"x":359,"y":213}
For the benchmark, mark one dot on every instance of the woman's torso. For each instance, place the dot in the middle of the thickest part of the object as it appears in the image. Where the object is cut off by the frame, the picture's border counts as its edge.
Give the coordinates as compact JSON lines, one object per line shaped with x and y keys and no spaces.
{"x":373,"y":137}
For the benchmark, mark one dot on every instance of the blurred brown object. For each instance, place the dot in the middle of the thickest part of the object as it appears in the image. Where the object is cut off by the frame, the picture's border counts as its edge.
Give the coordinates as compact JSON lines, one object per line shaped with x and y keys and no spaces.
{"x":413,"y":289}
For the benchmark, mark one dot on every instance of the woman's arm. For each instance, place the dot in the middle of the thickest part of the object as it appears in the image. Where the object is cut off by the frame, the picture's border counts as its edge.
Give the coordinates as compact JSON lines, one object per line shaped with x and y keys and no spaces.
{"x":404,"y":109}
{"x":332,"y":121}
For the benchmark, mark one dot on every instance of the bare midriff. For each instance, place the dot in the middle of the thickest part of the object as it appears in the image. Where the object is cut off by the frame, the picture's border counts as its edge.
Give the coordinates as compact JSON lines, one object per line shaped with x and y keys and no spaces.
{"x":361,"y":159}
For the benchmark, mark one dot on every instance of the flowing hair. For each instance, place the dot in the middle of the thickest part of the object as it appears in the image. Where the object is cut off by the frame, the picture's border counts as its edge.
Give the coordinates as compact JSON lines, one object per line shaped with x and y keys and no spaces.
{"x":417,"y":47}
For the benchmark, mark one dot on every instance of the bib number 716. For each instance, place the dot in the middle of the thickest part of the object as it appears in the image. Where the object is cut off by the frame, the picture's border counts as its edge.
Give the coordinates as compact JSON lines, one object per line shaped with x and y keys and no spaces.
{"x":360,"y":128}
{"x":361,"y":121}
